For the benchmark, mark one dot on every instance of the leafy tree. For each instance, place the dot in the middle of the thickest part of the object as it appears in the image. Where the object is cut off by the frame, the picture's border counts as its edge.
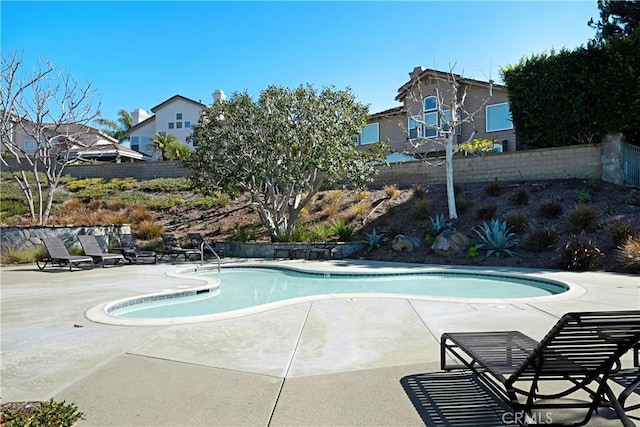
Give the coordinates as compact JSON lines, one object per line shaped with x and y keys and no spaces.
{"x":176,"y":151}
{"x":618,"y":19}
{"x":281,"y":149}
{"x":162,"y":144}
{"x":117,"y":128}
{"x":50,"y":108}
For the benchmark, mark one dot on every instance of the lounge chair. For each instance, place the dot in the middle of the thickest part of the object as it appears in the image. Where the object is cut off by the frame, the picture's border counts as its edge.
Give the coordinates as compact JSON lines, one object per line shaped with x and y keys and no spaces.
{"x":91,"y":247}
{"x":582,"y":350}
{"x":132,"y":252}
{"x":174,"y":250}
{"x":59,"y":256}
{"x":198,"y":242}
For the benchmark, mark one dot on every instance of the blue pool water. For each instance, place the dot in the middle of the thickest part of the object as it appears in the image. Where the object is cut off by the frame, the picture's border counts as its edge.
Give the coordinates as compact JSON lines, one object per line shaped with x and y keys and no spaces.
{"x":248,"y":287}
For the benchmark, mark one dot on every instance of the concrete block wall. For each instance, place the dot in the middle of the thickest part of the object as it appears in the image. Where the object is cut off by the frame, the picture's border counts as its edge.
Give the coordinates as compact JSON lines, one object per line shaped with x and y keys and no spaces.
{"x":580,"y":161}
{"x":140,"y":170}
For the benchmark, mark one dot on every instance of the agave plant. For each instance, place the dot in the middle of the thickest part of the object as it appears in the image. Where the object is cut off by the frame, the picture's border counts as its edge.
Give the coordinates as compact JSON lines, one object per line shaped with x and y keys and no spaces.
{"x":374,"y":240}
{"x":496,"y":238}
{"x":439,"y":224}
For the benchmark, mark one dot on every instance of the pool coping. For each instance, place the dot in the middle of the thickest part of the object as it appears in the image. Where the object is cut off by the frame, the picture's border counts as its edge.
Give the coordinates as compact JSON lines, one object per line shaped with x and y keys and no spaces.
{"x":100,"y":312}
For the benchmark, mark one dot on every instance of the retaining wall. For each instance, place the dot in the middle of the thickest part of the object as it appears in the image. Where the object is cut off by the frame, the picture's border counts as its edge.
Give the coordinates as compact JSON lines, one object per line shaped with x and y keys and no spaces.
{"x":16,"y":238}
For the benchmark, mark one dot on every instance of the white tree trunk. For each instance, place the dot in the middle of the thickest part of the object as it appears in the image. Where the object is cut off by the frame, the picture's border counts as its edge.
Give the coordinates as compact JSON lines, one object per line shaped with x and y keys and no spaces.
{"x":451,"y":197}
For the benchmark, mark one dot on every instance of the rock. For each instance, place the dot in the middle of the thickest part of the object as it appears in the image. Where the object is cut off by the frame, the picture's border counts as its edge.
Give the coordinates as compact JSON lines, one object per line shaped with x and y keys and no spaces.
{"x":402,"y":243}
{"x":450,"y":243}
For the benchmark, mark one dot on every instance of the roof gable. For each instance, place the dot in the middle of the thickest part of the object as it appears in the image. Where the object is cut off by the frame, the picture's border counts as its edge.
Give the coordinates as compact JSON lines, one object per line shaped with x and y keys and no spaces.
{"x":174,"y":98}
{"x":420,"y":73}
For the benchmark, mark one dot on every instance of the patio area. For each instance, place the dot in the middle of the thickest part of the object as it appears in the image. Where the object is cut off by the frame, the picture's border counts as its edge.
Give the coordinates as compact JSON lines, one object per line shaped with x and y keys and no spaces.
{"x":355,"y":361}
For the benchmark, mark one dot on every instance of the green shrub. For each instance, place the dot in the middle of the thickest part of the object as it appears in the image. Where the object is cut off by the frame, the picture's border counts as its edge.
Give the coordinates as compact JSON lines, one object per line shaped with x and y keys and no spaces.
{"x":582,"y":196}
{"x":165,"y":185}
{"x":22,"y":256}
{"x":462,"y":204}
{"x":94,"y":192}
{"x":496,"y":238}
{"x":628,"y":255}
{"x":584,"y":219}
{"x":486,"y":212}
{"x":245,"y":233}
{"x":129,"y":198}
{"x":343,"y":229}
{"x":47,"y":414}
{"x":580,"y":255}
{"x":11,"y":208}
{"x":164,"y":202}
{"x":551,"y":209}
{"x":320,"y":232}
{"x":209,"y":202}
{"x":493,"y":189}
{"x":122,"y":184}
{"x":542,"y":239}
{"x":517,"y":221}
{"x":82,"y":184}
{"x":620,"y":231}
{"x":11,"y":191}
{"x":421,"y":210}
{"x":520,"y":197}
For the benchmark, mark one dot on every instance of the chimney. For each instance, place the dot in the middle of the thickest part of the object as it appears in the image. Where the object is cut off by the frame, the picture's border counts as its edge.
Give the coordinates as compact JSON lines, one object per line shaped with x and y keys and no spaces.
{"x":218,"y":95}
{"x":139,"y":115}
{"x":416,"y":72}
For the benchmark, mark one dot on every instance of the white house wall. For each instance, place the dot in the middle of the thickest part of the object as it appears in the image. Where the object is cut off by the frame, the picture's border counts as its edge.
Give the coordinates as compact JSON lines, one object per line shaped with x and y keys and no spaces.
{"x":167,"y":114}
{"x":145,"y":135}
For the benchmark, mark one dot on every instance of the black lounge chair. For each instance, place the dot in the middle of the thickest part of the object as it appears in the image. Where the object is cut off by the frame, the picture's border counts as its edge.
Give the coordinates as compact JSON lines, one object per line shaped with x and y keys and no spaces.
{"x":59,"y":255}
{"x":198,"y":242}
{"x":132,"y":252}
{"x":173,"y":249}
{"x":582,"y":349}
{"x":91,"y":247}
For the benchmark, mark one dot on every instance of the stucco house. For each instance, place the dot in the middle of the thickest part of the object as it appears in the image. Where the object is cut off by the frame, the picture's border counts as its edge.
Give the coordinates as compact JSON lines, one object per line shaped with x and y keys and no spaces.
{"x":174,"y":116}
{"x":403,"y":127}
{"x":79,"y":140}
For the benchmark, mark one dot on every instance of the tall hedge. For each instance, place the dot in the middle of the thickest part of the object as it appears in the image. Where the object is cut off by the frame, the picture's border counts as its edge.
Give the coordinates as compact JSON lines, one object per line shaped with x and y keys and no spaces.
{"x":577,"y":97}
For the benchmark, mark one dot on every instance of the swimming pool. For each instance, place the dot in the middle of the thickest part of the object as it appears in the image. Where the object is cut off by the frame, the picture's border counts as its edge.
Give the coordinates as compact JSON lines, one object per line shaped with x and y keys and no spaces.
{"x":241,"y":288}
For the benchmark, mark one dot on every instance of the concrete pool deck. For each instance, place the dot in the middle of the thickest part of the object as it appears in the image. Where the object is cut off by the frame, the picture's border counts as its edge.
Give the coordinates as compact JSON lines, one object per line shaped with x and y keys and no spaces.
{"x":357,"y":361}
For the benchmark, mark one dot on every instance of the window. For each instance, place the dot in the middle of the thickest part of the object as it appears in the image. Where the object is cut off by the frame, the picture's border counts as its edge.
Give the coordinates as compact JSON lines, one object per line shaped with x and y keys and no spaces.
{"x":187,"y":124}
{"x":135,"y":143}
{"x":170,"y":125}
{"x":146,"y":143}
{"x":415,"y":127}
{"x":430,"y":117}
{"x":178,"y":116}
{"x":370,"y":134}
{"x":498,"y":117}
{"x":178,"y":125}
{"x":30,"y":145}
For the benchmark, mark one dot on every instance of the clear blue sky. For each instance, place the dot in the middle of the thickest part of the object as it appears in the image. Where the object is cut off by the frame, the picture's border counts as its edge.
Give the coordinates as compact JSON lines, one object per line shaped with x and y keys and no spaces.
{"x":138,"y":54}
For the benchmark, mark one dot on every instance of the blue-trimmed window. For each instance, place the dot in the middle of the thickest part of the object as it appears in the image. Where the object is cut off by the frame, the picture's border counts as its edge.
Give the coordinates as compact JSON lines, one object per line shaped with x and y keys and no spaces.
{"x":187,"y":124}
{"x":498,"y":117}
{"x":30,"y":145}
{"x":370,"y":134}
{"x":135,"y":143}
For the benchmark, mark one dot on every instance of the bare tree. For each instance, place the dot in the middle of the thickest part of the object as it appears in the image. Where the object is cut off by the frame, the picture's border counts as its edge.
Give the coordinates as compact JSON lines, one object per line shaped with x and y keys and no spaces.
{"x":450,"y":99}
{"x":50,"y":108}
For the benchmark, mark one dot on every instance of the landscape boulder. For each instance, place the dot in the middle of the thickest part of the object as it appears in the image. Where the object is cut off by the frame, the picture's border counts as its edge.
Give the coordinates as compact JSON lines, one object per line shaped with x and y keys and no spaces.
{"x":402,"y":243}
{"x":450,"y":243}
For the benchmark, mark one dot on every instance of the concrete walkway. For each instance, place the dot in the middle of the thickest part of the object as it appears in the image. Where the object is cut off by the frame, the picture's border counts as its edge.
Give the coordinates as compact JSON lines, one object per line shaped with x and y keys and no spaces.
{"x":356,"y":361}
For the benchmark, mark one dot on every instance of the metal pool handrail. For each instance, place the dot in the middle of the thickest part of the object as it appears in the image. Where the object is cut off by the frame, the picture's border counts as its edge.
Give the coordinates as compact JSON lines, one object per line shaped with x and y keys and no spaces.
{"x":202,"y":245}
